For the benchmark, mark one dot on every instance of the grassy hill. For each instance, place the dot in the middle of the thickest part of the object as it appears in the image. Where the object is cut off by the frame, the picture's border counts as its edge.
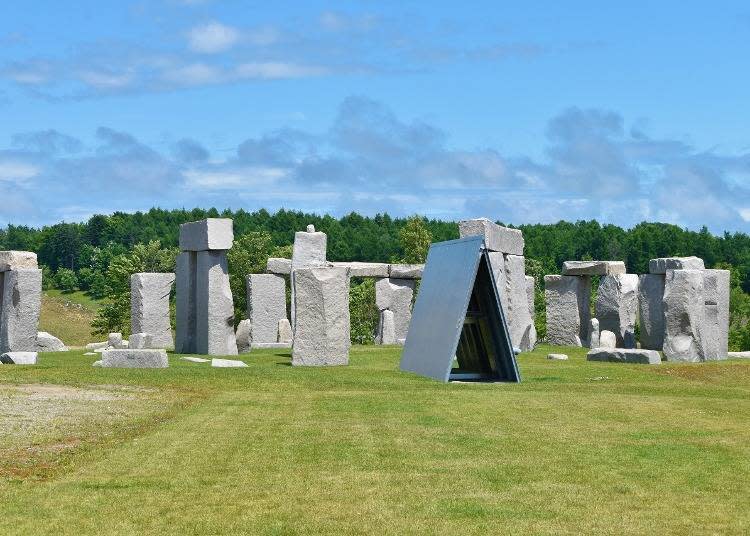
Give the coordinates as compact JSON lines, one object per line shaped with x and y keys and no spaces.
{"x":578,"y":447}
{"x":68,"y":316}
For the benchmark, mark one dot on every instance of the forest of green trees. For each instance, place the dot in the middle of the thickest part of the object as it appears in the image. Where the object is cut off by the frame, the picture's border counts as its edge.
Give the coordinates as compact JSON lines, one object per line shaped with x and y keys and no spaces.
{"x":98,"y":256}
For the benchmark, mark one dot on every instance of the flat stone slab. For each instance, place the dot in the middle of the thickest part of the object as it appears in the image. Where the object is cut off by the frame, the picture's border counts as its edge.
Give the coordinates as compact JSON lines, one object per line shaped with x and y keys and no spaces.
{"x":660,"y":266}
{"x":227,"y":363}
{"x":279,"y":266}
{"x":557,"y":357}
{"x":95,"y":345}
{"x":365,"y":269}
{"x":496,"y":237}
{"x":593,"y":267}
{"x":406,"y":271}
{"x":97,"y":363}
{"x":195,"y":359}
{"x":15,"y":260}
{"x":132,"y":358}
{"x":19,"y":358}
{"x":270,"y":345}
{"x":738,"y":355}
{"x":208,"y":234}
{"x":624,"y":355}
{"x":90,"y":353}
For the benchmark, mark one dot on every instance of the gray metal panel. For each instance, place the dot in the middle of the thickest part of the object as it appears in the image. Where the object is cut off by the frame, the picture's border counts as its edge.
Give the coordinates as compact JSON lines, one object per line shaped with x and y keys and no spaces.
{"x":439,"y":313}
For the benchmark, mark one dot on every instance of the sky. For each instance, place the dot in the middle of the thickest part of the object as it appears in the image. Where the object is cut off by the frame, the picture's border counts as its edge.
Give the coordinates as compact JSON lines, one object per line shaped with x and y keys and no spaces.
{"x":523,"y":112}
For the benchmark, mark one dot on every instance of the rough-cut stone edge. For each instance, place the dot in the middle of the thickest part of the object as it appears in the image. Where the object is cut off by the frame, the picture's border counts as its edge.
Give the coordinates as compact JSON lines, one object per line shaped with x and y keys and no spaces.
{"x":405,"y":271}
{"x":279,"y":266}
{"x":496,"y":237}
{"x":593,"y":267}
{"x":662,"y":264}
{"x":15,"y":260}
{"x":365,"y":269}
{"x":208,"y":234}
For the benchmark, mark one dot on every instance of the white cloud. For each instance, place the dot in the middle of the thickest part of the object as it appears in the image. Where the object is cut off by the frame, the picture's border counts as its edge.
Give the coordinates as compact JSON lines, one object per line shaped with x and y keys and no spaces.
{"x":277,"y":70}
{"x":248,"y":177}
{"x":102,"y":80}
{"x":194,"y":74}
{"x":213,"y":37}
{"x":17,"y":172}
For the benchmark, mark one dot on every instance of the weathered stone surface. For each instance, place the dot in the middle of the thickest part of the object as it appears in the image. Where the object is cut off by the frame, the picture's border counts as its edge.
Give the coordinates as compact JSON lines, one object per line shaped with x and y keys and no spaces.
{"x":406,"y":271}
{"x":46,"y":342}
{"x":227,"y":363}
{"x":195,"y":359}
{"x":149,"y":307}
{"x":530,"y":298}
{"x":624,"y":355}
{"x":593,"y":267}
{"x":276,"y":265}
{"x":386,"y":328}
{"x":140,"y":341}
{"x":272,"y":345}
{"x":285,"y":332}
{"x":266,"y":305}
{"x":557,"y":357}
{"x":214,"y":307}
{"x":131,"y":358}
{"x":321,"y":334}
{"x":660,"y":266}
{"x":607,"y":339}
{"x":594,"y":333}
{"x":19,"y":358}
{"x":684,"y":314}
{"x":568,"y":309}
{"x":114,"y":340}
{"x":20,"y":303}
{"x":185,"y":294}
{"x":651,"y":311}
{"x":497,"y":264}
{"x":208,"y":234}
{"x":716,"y":288}
{"x":244,"y":336}
{"x":396,"y":295}
{"x":96,"y":345}
{"x":309,"y":251}
{"x":617,"y":307}
{"x":365,"y":269}
{"x":710,"y":334}
{"x":496,"y":237}
{"x":17,"y":260}
{"x":517,"y":313}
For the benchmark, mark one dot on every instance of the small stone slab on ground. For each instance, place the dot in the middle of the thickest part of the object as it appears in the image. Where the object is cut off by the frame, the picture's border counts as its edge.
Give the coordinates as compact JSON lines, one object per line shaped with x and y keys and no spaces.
{"x":19,"y":358}
{"x":270,"y":345}
{"x":227,"y":363}
{"x":557,"y":357}
{"x":135,"y":358}
{"x":739,"y":355}
{"x":97,"y":363}
{"x":624,"y":355}
{"x":90,"y":353}
{"x":194,"y":359}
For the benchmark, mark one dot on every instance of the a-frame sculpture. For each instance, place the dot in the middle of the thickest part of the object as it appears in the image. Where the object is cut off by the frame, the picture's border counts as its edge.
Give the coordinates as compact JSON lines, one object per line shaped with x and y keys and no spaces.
{"x":458,"y":329}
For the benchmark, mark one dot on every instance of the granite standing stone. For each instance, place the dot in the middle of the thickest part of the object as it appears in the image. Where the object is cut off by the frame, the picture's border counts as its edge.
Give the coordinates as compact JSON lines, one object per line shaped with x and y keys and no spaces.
{"x":322,"y":330}
{"x":244,"y":336}
{"x":716,"y":288}
{"x":568,"y":309}
{"x":285,"y":335}
{"x":396,"y":295}
{"x":593,"y":267}
{"x":185,"y":294}
{"x":594,"y":340}
{"x":684,"y":314}
{"x":519,"y":319}
{"x":496,"y":237}
{"x":214,"y":318}
{"x":651,"y":310}
{"x":386,"y":328}
{"x":617,"y":307}
{"x":131,"y":358}
{"x":20,"y":303}
{"x":266,"y":305}
{"x":149,"y":307}
{"x":309,"y":251}
{"x":530,"y":298}
{"x":660,"y":266}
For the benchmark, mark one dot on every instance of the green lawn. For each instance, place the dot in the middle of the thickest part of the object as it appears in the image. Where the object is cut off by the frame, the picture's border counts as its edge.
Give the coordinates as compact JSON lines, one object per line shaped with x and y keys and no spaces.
{"x":578,"y":447}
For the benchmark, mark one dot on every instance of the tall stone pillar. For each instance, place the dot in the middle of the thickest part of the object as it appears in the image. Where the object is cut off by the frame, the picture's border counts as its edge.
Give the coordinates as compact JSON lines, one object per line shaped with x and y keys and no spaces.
{"x":266,"y":306}
{"x":309,"y":251}
{"x":568,"y":309}
{"x":149,"y":307}
{"x":684,"y":314}
{"x":205,"y":309}
{"x":20,"y":301}
{"x":651,"y":310}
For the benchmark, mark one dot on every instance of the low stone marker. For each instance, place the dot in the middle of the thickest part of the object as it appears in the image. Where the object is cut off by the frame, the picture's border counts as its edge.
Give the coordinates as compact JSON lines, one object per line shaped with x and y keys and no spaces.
{"x":114,"y":340}
{"x":594,"y":338}
{"x":624,"y":355}
{"x":130,"y":358}
{"x":607,"y":339}
{"x":322,"y":329}
{"x":593,"y":267}
{"x":227,"y":363}
{"x":244,"y":336}
{"x":140,"y":341}
{"x":617,"y":307}
{"x":557,"y":357}
{"x":386,"y":328}
{"x":195,"y":359}
{"x":49,"y":343}
{"x":19,"y":358}
{"x":285,"y":334}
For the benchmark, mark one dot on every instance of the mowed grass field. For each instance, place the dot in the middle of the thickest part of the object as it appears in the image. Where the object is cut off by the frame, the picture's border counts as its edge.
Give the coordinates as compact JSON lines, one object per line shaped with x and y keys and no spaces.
{"x":576,"y":448}
{"x":68,"y":315}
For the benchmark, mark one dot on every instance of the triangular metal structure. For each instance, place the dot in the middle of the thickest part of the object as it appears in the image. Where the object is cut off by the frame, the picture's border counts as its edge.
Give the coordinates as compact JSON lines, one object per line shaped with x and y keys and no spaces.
{"x":458,"y":329}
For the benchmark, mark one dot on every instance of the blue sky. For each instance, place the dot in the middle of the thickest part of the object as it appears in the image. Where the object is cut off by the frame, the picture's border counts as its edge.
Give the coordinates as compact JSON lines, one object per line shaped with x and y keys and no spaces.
{"x":523,"y":112}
